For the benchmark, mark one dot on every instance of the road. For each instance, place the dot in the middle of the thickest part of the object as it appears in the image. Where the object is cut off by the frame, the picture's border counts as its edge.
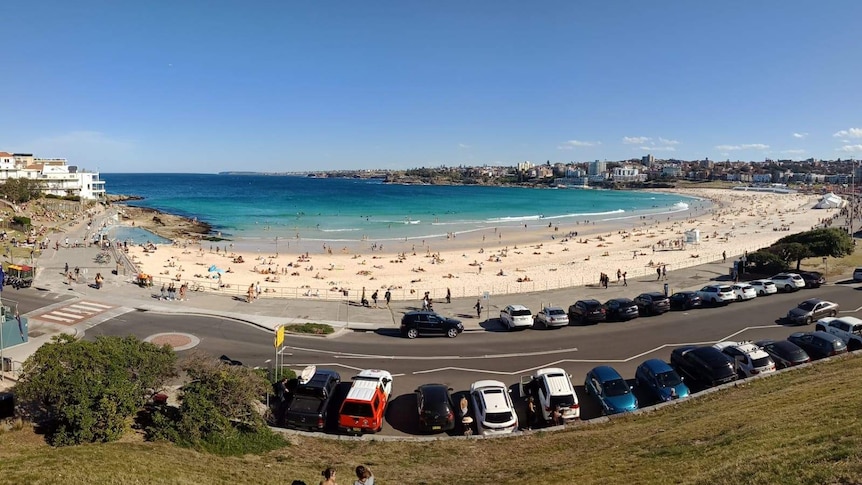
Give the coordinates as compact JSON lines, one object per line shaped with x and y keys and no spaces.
{"x":500,"y":355}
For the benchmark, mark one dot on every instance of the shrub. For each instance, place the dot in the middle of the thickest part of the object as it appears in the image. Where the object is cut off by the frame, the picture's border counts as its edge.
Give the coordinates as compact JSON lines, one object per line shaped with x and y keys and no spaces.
{"x":312,"y":328}
{"x":765,"y":261}
{"x":83,"y":391}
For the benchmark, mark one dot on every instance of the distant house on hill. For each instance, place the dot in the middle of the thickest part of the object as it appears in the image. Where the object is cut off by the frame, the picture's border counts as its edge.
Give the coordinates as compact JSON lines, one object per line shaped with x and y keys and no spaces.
{"x":54,"y":175}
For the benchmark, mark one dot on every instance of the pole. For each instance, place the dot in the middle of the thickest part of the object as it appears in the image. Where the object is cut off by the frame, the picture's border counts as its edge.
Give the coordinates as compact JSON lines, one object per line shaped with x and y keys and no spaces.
{"x":347,"y":308}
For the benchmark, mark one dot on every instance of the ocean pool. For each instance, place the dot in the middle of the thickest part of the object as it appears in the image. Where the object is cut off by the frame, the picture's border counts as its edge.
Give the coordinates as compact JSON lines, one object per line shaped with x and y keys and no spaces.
{"x":134,"y":235}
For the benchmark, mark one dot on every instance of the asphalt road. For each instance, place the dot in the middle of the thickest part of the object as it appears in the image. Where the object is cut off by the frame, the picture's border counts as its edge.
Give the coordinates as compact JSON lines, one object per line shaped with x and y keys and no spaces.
{"x":490,"y":354}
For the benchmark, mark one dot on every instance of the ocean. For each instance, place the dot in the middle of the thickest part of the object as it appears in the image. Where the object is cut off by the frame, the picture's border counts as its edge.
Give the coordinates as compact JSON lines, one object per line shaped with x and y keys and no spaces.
{"x":262,"y":207}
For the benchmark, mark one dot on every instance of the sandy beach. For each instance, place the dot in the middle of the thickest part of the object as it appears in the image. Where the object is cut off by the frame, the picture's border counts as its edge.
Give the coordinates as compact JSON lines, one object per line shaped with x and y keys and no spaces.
{"x":497,"y":260}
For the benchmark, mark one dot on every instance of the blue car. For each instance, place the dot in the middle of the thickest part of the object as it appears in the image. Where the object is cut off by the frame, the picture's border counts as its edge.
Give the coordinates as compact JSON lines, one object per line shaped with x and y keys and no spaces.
{"x":658,"y":379}
{"x":611,"y":389}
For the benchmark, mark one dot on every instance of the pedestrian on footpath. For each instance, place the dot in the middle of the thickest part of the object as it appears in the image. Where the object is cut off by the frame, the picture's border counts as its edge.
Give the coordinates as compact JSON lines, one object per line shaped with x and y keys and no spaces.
{"x":388,"y":297}
{"x":66,"y":268}
{"x":374,"y":298}
{"x":625,"y":283}
{"x":664,"y":272}
{"x":658,"y":273}
{"x":478,"y":308}
{"x":448,"y":296}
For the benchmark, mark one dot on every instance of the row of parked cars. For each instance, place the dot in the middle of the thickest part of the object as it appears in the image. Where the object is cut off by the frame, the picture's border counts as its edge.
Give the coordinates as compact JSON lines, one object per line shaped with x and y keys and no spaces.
{"x":492,"y":408}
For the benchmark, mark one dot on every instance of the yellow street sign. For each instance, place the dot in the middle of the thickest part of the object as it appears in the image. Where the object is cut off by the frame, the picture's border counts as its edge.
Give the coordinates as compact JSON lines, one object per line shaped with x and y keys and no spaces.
{"x":279,"y":336}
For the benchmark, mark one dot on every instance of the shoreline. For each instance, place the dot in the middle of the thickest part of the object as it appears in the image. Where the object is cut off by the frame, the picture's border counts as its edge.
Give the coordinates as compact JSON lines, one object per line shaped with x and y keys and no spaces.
{"x":494,"y":260}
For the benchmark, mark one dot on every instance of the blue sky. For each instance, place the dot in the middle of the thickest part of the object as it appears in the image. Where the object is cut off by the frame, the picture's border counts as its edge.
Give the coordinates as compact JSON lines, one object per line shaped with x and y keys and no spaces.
{"x":159,"y":86}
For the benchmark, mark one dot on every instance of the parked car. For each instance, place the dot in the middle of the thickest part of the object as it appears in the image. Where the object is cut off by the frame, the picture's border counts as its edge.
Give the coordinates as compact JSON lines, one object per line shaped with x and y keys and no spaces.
{"x":743,"y":291}
{"x":434,"y":404}
{"x":857,"y":274}
{"x":552,"y":316}
{"x":685,"y":300}
{"x":365,"y":405}
{"x":716,"y":294}
{"x":812,"y":279}
{"x":652,"y":303}
{"x":784,"y":353}
{"x":706,"y":366}
{"x":553,"y":387}
{"x":660,"y":381}
{"x":516,"y":317}
{"x":810,"y":310}
{"x":612,"y":391}
{"x":818,"y":345}
{"x":621,"y":309}
{"x":414,"y":324}
{"x":310,"y":404}
{"x":748,"y":359}
{"x":848,"y":329}
{"x":764,"y":287}
{"x":587,"y":311}
{"x":493,"y":408}
{"x":788,"y":282}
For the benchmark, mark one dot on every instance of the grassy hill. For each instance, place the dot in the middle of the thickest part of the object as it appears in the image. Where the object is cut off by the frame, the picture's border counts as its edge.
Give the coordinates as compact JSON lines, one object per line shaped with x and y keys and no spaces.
{"x":802,"y":426}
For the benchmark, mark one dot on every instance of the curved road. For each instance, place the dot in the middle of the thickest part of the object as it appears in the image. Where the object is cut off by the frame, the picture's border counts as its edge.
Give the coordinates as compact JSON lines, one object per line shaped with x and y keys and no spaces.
{"x":504,"y":356}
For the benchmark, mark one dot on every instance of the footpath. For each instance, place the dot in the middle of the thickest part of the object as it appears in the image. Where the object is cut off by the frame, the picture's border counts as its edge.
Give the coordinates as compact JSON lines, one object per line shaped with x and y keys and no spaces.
{"x":120,"y":294}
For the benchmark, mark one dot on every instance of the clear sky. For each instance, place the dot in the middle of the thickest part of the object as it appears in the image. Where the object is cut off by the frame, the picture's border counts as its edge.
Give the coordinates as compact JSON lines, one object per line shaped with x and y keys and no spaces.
{"x":207,"y":86}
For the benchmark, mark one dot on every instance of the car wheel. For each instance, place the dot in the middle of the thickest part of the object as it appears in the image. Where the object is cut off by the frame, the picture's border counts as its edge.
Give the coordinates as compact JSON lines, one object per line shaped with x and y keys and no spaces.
{"x":854,"y":345}
{"x":452,"y":332}
{"x":412,"y":333}
{"x":788,"y":288}
{"x":833,"y":313}
{"x":809,"y":320}
{"x":738,"y":298}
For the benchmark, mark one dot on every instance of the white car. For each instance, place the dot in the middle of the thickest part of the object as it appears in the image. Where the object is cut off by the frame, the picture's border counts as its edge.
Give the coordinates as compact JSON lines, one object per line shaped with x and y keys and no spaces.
{"x":744,"y":291}
{"x":552,"y":316}
{"x":748,"y":359}
{"x":764,"y":287}
{"x":788,"y":281}
{"x":848,"y":329}
{"x":716,"y":294}
{"x":516,"y":316}
{"x":493,"y":408}
{"x":554,"y":388}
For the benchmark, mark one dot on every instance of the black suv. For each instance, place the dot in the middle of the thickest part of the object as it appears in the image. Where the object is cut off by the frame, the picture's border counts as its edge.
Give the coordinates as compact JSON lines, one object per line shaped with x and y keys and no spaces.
{"x":706,"y":366}
{"x":652,"y":303}
{"x":685,"y":300}
{"x":818,"y":345}
{"x":310,"y":404}
{"x":414,"y":324}
{"x":813,"y":279}
{"x":586,"y":311}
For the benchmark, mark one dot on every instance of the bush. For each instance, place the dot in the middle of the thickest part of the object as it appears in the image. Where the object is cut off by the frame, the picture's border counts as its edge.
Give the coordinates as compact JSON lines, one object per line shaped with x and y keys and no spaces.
{"x":21,"y":221}
{"x":765,"y":261}
{"x":308,"y":327}
{"x":84,"y":392}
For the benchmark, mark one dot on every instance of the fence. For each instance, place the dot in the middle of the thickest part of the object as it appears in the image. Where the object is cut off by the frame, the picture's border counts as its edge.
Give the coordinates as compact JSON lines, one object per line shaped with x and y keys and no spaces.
{"x":404,"y":294}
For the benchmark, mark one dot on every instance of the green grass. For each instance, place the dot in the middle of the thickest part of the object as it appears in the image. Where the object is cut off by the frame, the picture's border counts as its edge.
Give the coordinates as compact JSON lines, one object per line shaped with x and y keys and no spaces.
{"x":800,"y":427}
{"x":310,"y":328}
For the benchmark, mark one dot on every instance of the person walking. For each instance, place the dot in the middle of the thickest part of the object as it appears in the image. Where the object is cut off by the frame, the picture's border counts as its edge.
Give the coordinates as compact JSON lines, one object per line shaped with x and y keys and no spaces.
{"x":625,"y":283}
{"x":163,"y":294}
{"x":478,"y":307}
{"x":250,"y":293}
{"x":664,"y":272}
{"x":388,"y":297}
{"x":531,"y":412}
{"x":723,"y":256}
{"x":448,"y":296}
{"x":374,"y":298}
{"x":66,"y":269}
{"x":658,"y":273}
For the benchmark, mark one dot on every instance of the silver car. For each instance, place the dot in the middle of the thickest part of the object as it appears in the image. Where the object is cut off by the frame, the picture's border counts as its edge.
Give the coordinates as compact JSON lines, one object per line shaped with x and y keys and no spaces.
{"x":810,"y":310}
{"x":552,"y":316}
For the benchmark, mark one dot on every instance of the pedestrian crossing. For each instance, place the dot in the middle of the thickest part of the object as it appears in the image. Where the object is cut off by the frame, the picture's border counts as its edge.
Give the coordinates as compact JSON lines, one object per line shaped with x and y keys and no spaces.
{"x":74,"y":313}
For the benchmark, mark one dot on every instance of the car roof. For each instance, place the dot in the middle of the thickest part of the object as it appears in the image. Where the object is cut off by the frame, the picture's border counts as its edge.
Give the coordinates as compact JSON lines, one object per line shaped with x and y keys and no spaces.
{"x":849,"y":320}
{"x":518,"y":307}
{"x":374,"y":374}
{"x":753,"y":351}
{"x":813,"y":301}
{"x":686,"y":292}
{"x":420,"y":312}
{"x":621,"y":300}
{"x":549,"y":308}
{"x":559,"y":384}
{"x":606,"y":373}
{"x":741,"y":285}
{"x":710,"y":354}
{"x":657,"y":366}
{"x":487,"y":383}
{"x":591,"y":301}
{"x":653,"y":294}
{"x":433,"y":390}
{"x":819,"y":334}
{"x":761,"y":282}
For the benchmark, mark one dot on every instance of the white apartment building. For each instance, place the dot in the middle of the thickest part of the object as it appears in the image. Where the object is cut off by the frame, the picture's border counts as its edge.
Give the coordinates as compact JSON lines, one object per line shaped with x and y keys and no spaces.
{"x":54,"y":174}
{"x":628,"y":174}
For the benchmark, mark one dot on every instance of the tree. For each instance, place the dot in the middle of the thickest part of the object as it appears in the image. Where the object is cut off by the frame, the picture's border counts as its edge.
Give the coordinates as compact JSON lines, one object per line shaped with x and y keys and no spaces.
{"x":87,"y":391}
{"x":764,"y":261}
{"x":20,"y":189}
{"x":789,"y":252}
{"x":832,"y":241}
{"x":220,"y":410}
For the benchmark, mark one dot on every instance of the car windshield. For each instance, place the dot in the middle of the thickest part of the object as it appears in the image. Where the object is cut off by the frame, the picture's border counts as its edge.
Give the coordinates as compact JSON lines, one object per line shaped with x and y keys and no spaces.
{"x":806,"y":305}
{"x":498,"y":417}
{"x":761,"y":362}
{"x":668,"y":379}
{"x":556,"y":311}
{"x":616,"y":387}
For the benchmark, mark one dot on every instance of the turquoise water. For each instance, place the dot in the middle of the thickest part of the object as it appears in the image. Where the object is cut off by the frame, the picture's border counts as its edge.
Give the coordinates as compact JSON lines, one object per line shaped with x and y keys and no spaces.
{"x":134,"y":235}
{"x":329,"y":209}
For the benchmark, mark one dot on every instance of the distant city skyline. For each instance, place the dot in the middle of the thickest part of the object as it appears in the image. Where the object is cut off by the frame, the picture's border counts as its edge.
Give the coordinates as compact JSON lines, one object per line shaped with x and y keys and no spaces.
{"x":287,"y":86}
